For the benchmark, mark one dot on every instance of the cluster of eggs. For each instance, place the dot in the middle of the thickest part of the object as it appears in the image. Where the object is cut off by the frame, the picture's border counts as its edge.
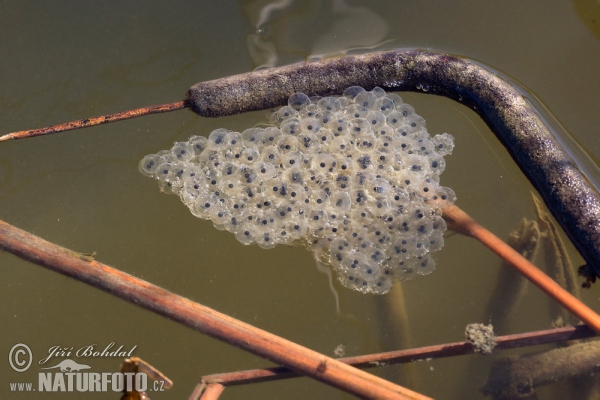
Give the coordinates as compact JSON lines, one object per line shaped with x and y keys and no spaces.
{"x":355,"y":178}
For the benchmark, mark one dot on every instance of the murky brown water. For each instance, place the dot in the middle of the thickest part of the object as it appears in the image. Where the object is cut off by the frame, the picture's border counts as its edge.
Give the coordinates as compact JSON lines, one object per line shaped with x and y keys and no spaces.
{"x":82,"y":190}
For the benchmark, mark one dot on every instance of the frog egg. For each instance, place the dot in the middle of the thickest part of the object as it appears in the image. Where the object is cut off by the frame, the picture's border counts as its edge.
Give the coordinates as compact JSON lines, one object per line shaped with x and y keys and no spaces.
{"x":385,"y":161}
{"x":439,"y":225}
{"x":343,"y":146}
{"x":369,"y":271}
{"x":443,"y":144}
{"x":326,"y":118}
{"x":294,"y":175}
{"x":298,"y":101}
{"x":402,"y":247}
{"x":376,"y":119}
{"x":436,"y":242}
{"x":188,"y":195}
{"x":395,"y":98}
{"x":425,"y":265}
{"x":395,"y":119}
{"x":344,"y":165}
{"x":245,"y":235}
{"x":270,"y":154}
{"x":195,"y":183}
{"x":376,"y":251}
{"x":264,"y":171}
{"x":382,"y":285}
{"x":219,"y":214}
{"x":149,"y":164}
{"x":424,"y":147}
{"x":316,"y":219}
{"x":230,"y":184}
{"x":310,"y":125}
{"x":183,"y":151}
{"x":269,"y":137}
{"x":297,"y":228}
{"x":322,"y":163}
{"x":415,"y":123}
{"x":403,"y":132}
{"x":437,"y":164}
{"x":340,"y":126}
{"x":359,"y":126}
{"x":406,"y":109}
{"x":237,"y":205}
{"x":291,"y":127}
{"x":309,"y":143}
{"x":319,"y":200}
{"x":291,"y":159}
{"x":417,"y":164}
{"x":406,"y":270}
{"x":283,"y":213}
{"x":265,"y":221}
{"x":349,"y":279}
{"x":364,"y":163}
{"x":446,"y":194}
{"x":384,"y":105}
{"x":366,"y":100}
{"x":339,"y":251}
{"x":330,"y":104}
{"x":252,"y":137}
{"x":343,"y":182}
{"x":250,"y":155}
{"x":198,"y":143}
{"x":282,"y":114}
{"x":232,"y":224}
{"x":353,"y":91}
{"x":309,"y":111}
{"x":379,"y":188}
{"x":356,"y":111}
{"x":204,"y":204}
{"x":366,"y":142}
{"x":166,"y":171}
{"x":247,"y":175}
{"x":379,"y":207}
{"x":325,"y":136}
{"x":287,"y":143}
{"x":379,"y":92}
{"x":217,"y":139}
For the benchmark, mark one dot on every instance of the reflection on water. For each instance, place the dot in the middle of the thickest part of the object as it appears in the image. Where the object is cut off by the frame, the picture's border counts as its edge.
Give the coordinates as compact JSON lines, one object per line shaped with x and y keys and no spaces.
{"x":350,"y":28}
{"x":82,"y":189}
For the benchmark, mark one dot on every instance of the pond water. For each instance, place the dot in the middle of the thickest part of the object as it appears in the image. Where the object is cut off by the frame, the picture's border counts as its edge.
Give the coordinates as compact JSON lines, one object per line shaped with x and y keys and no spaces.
{"x":82,"y":189}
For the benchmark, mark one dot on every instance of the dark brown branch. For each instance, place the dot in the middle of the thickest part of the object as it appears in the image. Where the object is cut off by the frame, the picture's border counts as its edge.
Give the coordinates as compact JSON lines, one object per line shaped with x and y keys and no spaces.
{"x":198,"y":317}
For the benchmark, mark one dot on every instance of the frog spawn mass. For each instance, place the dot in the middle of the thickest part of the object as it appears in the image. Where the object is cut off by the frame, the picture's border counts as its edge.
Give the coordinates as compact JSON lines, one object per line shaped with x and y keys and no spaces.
{"x":355,"y":178}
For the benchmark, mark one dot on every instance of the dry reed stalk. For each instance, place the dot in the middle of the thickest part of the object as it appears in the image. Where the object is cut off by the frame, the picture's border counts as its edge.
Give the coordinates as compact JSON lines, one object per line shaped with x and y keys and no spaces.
{"x":459,"y":221}
{"x":404,"y":356}
{"x":198,"y":317}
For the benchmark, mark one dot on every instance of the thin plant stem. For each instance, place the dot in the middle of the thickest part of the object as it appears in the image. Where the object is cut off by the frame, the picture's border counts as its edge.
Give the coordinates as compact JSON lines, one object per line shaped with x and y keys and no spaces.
{"x":103,"y":119}
{"x":405,"y":356}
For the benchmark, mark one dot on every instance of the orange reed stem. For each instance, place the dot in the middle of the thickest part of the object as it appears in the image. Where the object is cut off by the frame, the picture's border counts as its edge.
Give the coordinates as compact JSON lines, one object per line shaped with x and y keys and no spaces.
{"x":460,"y":222}
{"x":103,"y":119}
